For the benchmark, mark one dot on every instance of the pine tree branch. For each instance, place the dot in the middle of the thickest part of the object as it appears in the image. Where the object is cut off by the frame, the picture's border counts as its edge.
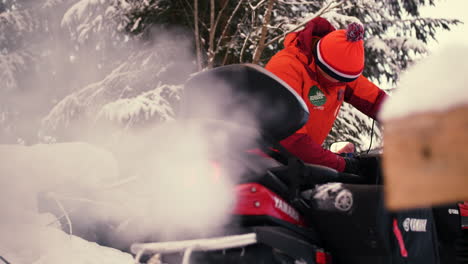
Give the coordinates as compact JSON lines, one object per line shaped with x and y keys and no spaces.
{"x":330,"y":6}
{"x":188,"y":4}
{"x":423,"y":19}
{"x":4,"y":260}
{"x":247,"y":38}
{"x":221,"y":12}
{"x":187,"y":13}
{"x":257,"y":6}
{"x":59,"y":204}
{"x":234,"y":38}
{"x":296,"y":3}
{"x":228,"y":22}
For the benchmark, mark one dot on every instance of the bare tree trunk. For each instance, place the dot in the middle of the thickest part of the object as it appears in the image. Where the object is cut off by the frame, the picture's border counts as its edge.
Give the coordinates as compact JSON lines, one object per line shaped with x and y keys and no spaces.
{"x":197,"y":35}
{"x":261,"y":43}
{"x":212,"y":32}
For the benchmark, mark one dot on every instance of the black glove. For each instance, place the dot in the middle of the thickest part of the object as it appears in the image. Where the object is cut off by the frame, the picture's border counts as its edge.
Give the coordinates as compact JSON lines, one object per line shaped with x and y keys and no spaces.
{"x":353,"y":165}
{"x":371,"y":168}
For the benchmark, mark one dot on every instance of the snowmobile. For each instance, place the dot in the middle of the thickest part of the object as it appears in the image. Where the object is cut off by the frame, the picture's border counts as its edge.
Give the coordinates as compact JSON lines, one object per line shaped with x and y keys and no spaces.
{"x":288,"y":211}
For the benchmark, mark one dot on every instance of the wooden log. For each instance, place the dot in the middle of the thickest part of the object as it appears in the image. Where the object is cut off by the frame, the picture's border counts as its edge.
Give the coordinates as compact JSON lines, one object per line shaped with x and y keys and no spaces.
{"x":426,"y":159}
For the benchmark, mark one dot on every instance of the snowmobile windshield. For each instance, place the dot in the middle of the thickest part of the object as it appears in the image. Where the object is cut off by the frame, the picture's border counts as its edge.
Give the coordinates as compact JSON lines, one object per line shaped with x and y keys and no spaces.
{"x":246,"y":95}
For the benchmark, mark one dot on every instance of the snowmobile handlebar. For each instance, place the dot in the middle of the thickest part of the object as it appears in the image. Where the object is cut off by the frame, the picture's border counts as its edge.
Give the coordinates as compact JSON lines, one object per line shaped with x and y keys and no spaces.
{"x":317,"y":174}
{"x":309,"y":175}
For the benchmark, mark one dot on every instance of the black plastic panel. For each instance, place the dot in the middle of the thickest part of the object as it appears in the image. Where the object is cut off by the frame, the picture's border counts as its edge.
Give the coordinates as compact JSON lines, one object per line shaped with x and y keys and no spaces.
{"x":246,"y":95}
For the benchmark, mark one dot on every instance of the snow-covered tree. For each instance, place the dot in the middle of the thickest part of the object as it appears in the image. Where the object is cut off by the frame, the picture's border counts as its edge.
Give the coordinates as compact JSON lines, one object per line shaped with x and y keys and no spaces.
{"x":396,"y":36}
{"x":105,"y":44}
{"x":33,"y":60}
{"x":252,"y":31}
{"x":143,"y":89}
{"x":16,"y":56}
{"x":51,"y":48}
{"x":144,"y":67}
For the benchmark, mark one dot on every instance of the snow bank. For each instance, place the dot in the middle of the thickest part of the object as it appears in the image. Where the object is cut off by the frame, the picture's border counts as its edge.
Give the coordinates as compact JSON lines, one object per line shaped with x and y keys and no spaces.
{"x":437,"y":83}
{"x":68,"y":168}
{"x":74,"y":250}
{"x":34,"y":238}
{"x":143,"y":106}
{"x":171,"y":190}
{"x":26,"y":171}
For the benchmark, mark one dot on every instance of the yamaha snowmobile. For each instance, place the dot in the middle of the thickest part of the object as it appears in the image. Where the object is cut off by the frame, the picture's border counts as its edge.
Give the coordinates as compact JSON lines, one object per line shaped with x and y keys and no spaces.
{"x":288,"y":211}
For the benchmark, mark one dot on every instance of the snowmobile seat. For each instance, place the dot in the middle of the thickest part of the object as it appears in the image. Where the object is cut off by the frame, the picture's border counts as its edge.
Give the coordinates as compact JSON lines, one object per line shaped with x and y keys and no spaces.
{"x":246,"y":95}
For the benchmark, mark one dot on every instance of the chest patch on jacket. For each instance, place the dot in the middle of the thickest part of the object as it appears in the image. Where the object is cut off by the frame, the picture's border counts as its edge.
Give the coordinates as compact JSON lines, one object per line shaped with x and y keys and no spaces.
{"x":316,"y":96}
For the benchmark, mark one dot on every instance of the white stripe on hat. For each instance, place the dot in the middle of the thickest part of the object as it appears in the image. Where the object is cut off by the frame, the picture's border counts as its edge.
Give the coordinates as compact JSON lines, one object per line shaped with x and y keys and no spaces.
{"x":319,"y":56}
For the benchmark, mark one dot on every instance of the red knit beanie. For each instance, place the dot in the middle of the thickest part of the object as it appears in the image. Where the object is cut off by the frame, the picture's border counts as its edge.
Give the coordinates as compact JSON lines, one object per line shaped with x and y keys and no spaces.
{"x":341,"y":53}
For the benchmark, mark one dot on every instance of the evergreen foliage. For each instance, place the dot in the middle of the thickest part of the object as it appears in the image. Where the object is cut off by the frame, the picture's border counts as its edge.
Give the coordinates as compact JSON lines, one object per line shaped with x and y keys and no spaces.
{"x":64,"y":47}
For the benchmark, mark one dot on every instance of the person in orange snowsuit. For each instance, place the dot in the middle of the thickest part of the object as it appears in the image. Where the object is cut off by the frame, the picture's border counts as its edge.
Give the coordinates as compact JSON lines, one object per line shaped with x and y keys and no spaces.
{"x":324,"y":66}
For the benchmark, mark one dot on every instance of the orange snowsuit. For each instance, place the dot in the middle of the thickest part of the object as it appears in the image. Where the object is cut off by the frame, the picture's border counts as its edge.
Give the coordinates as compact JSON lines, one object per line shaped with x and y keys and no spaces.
{"x":296,"y":66}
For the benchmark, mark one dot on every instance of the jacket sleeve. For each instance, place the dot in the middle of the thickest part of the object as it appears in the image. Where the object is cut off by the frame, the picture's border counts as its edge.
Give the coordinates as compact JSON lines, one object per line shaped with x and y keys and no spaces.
{"x":365,"y":96}
{"x":306,"y":149}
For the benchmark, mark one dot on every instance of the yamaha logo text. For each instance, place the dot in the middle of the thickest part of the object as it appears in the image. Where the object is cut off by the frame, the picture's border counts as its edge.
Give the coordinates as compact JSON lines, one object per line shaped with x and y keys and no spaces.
{"x":415,"y":225}
{"x":286,"y":208}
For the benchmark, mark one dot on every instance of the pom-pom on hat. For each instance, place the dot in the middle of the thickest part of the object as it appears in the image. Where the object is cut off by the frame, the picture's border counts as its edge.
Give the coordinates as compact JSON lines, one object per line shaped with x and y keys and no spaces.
{"x":341,"y":53}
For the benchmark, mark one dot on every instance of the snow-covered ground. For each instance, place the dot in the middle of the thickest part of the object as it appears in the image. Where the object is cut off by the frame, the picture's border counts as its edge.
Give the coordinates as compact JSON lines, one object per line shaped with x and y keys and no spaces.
{"x":36,"y":239}
{"x":28,"y":236}
{"x":170,"y":190}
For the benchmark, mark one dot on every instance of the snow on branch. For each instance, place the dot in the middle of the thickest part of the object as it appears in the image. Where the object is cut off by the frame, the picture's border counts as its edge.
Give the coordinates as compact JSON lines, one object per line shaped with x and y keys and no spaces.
{"x":80,"y":11}
{"x":129,"y":111}
{"x":86,"y":17}
{"x":132,"y":89}
{"x":296,"y":2}
{"x":63,"y":113}
{"x":17,"y":20}
{"x":340,"y":20}
{"x":12,"y":64}
{"x":378,"y":44}
{"x":328,"y":6}
{"x":408,"y":44}
{"x":52,"y":3}
{"x":387,"y":45}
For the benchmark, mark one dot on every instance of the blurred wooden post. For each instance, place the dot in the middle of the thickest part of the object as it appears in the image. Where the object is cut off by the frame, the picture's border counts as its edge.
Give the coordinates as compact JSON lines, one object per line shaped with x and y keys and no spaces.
{"x":426,"y":159}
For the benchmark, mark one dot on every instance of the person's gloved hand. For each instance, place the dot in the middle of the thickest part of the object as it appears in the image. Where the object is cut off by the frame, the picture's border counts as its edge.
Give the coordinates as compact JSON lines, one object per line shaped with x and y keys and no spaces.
{"x":353,"y":165}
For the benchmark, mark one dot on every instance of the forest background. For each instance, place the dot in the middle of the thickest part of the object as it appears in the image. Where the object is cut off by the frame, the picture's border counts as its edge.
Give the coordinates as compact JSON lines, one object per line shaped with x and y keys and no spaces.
{"x":90,"y":70}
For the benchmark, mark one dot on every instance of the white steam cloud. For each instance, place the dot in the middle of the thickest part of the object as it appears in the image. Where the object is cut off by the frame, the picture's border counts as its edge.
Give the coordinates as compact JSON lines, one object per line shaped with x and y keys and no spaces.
{"x":165,"y":183}
{"x":160,"y":183}
{"x":173,"y":188}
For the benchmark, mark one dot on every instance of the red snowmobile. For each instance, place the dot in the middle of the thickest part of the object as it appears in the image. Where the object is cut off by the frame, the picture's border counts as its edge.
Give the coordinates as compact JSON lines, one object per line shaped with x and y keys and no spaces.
{"x":288,"y":211}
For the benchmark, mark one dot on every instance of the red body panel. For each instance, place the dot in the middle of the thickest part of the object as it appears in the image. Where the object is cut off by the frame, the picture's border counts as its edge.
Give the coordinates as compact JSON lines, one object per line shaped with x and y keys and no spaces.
{"x":322,"y":257}
{"x":463,"y":209}
{"x":255,"y":199}
{"x":464,"y":214}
